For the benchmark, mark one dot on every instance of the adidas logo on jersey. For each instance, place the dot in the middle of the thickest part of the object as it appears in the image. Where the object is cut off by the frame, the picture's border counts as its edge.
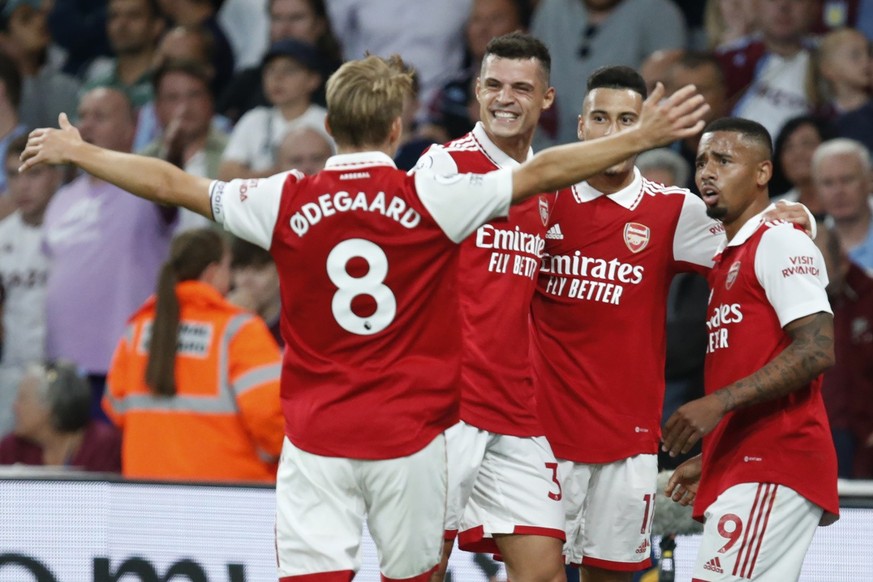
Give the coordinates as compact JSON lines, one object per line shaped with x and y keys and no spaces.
{"x":644,"y":547}
{"x":555,"y":233}
{"x":714,"y":565}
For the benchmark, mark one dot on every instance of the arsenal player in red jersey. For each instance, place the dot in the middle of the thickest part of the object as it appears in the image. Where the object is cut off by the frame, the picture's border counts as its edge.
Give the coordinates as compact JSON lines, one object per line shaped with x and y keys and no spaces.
{"x":770,"y":338}
{"x":367,"y":260}
{"x":504,"y":496}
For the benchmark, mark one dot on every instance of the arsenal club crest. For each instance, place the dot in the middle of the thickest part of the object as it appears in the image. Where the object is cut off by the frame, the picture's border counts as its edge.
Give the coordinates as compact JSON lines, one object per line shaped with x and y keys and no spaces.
{"x":544,"y":210}
{"x":636,"y":236}
{"x":732,"y":275}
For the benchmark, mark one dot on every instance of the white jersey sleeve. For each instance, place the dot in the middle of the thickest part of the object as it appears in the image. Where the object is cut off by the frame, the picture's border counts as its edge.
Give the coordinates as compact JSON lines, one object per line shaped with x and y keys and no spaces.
{"x":697,"y":237}
{"x":437,"y":160}
{"x":249,"y":208}
{"x":461,"y":203}
{"x":792,"y":272}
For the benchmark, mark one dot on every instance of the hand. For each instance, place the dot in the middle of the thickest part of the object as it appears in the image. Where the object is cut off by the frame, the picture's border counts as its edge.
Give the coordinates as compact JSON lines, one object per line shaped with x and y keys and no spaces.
{"x":791,"y":212}
{"x":50,"y":146}
{"x":663,"y":121}
{"x":692,"y":421}
{"x":682,"y":486}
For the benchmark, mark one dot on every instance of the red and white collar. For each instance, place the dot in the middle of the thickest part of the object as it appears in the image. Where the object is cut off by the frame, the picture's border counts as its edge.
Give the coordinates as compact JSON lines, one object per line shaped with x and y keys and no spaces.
{"x":629,"y":196}
{"x":490,"y":149}
{"x":358,"y":160}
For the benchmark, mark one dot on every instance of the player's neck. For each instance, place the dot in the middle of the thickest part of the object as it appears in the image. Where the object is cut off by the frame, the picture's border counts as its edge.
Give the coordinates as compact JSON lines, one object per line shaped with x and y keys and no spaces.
{"x":611,"y":183}
{"x":756,"y":207}
{"x":516,"y":147}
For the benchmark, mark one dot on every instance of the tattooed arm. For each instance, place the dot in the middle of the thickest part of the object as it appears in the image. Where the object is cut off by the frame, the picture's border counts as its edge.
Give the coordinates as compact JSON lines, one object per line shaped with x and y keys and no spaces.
{"x":810,"y":353}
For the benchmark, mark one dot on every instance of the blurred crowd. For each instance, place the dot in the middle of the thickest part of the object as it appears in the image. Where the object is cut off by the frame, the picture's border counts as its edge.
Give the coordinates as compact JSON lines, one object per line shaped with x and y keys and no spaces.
{"x":235,"y":89}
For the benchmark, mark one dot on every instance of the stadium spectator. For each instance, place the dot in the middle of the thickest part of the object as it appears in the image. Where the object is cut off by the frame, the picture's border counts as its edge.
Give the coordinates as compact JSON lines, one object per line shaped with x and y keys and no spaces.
{"x":664,"y":166}
{"x":104,"y":248}
{"x":23,"y":264}
{"x":449,"y":110}
{"x":728,"y":21}
{"x":190,"y":140}
{"x":194,"y":382}
{"x":305,"y":149}
{"x":53,"y":425}
{"x":291,"y":76}
{"x":429,"y":36}
{"x":847,"y":388}
{"x":763,"y":422}
{"x":766,"y":74}
{"x":303,"y":20}
{"x":192,"y":13}
{"x":25,"y":38}
{"x":792,"y":160}
{"x":703,"y":71}
{"x":256,"y":284}
{"x":78,"y":27}
{"x":402,"y":342}
{"x":840,"y":66}
{"x":414,"y":138}
{"x":841,"y":172}
{"x":247,"y":24}
{"x":133,"y":28}
{"x":654,"y":67}
{"x":10,"y":122}
{"x":583,"y":35}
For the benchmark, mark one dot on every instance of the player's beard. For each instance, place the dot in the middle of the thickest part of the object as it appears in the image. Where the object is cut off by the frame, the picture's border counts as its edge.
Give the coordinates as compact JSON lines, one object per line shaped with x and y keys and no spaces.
{"x":716,"y":212}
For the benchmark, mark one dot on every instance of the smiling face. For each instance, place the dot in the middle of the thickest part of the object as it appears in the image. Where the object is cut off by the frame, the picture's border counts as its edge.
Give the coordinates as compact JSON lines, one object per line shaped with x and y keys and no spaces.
{"x":512,"y":93}
{"x":732,"y":172}
{"x":608,"y":111}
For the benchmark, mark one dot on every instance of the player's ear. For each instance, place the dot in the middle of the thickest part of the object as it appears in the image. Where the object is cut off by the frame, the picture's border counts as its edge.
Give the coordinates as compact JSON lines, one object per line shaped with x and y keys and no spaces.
{"x":764,"y":173}
{"x":580,"y":128}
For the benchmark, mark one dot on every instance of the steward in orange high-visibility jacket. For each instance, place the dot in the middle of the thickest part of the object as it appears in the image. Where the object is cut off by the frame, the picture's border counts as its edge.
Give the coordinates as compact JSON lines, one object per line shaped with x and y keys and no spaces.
{"x":194,"y":382}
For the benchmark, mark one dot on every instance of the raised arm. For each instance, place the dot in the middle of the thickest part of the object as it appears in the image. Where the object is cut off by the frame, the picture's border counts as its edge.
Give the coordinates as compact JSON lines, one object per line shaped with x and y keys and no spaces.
{"x":810,"y":353}
{"x":148,"y":178}
{"x":662,"y":121}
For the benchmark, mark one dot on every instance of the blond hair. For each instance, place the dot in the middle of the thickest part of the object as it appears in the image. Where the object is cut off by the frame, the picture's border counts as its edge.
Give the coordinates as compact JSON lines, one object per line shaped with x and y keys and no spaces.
{"x":817,"y":85}
{"x":364,"y":98}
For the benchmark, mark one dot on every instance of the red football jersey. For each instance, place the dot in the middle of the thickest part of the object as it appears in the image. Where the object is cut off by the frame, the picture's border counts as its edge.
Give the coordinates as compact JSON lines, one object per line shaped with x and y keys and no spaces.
{"x":496,"y":280}
{"x":367,"y":265}
{"x":599,"y":314}
{"x":768,"y":276}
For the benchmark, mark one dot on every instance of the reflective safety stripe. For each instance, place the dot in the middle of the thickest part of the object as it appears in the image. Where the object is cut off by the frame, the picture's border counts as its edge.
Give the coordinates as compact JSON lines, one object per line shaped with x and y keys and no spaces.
{"x":220,"y":404}
{"x":223,"y":402}
{"x":255,"y":377}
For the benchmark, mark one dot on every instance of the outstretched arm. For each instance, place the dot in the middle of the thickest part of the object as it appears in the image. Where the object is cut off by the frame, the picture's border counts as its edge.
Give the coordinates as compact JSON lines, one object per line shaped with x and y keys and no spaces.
{"x":148,"y":178}
{"x":662,"y":121}
{"x":810,"y":353}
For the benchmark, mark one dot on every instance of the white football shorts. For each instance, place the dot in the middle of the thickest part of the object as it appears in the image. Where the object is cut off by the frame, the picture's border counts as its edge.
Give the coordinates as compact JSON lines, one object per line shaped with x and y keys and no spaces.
{"x":756,"y":531}
{"x":500,"y":484}
{"x":322,"y":502}
{"x":609,"y":512}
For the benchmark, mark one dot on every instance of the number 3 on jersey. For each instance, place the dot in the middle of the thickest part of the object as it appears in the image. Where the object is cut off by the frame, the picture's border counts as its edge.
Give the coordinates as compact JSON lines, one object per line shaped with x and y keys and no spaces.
{"x":371,"y":284}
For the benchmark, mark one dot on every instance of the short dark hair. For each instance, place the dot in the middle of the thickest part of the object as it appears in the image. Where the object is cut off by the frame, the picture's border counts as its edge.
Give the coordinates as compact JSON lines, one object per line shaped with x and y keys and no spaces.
{"x":518,"y":45}
{"x":10,"y":76}
{"x":617,"y":77}
{"x":745,"y":127}
{"x":695,"y":59}
{"x":246,"y":254}
{"x":66,"y":393}
{"x":16,"y":146}
{"x":191,"y":68}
